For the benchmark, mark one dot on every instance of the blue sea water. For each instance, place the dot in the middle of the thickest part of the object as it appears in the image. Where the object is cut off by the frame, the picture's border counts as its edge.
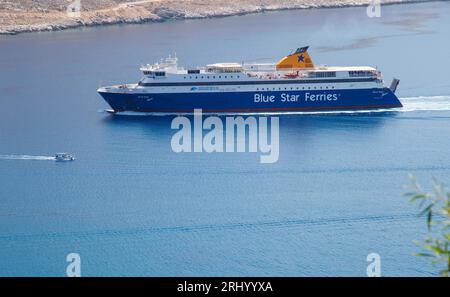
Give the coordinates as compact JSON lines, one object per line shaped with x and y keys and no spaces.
{"x":129,"y":205}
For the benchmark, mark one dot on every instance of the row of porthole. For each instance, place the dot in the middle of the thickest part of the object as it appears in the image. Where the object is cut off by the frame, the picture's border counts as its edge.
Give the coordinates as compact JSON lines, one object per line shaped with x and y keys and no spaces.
{"x":297,"y":88}
{"x":202,"y":77}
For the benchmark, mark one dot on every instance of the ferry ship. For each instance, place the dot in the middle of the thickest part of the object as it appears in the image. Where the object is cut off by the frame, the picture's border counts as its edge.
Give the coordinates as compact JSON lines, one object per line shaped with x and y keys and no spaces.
{"x":292,"y":84}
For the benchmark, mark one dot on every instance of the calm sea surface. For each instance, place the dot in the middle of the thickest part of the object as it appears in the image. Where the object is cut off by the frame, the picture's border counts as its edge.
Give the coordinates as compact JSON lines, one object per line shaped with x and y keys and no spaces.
{"x":130,"y":206}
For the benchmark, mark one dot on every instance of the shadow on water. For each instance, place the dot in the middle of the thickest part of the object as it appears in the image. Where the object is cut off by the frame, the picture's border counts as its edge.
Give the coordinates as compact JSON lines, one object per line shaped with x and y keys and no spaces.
{"x":154,"y":122}
{"x":309,"y":133}
{"x":289,"y":125}
{"x":164,"y":121}
{"x":370,"y":119}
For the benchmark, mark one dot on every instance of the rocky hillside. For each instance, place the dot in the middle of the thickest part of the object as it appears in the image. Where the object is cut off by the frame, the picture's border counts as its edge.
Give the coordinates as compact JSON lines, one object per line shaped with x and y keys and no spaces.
{"x":40,"y":15}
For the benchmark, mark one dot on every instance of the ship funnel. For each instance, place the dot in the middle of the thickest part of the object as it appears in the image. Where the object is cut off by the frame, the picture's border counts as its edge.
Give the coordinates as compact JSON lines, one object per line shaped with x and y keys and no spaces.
{"x":300,"y":59}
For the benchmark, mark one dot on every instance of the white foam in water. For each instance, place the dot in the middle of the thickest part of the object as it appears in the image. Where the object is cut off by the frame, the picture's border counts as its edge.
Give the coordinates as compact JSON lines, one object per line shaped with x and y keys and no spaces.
{"x":431,"y":103}
{"x":419,"y":103}
{"x":26,"y":157}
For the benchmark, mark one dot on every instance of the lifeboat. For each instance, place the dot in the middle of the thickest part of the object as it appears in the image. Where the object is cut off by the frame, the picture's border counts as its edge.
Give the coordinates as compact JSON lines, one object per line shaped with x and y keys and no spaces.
{"x":291,"y":75}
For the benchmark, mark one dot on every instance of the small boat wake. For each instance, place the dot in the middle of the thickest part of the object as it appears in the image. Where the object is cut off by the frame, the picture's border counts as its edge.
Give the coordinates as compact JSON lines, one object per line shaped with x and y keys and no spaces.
{"x":27,"y":157}
{"x":58,"y":157}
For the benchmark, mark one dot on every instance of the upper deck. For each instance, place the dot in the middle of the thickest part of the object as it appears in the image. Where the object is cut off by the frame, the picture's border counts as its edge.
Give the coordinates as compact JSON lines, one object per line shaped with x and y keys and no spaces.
{"x":167,"y":71}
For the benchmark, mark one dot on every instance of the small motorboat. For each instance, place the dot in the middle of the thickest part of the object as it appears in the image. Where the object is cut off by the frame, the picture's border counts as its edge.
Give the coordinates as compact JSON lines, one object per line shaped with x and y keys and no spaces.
{"x":64,"y":157}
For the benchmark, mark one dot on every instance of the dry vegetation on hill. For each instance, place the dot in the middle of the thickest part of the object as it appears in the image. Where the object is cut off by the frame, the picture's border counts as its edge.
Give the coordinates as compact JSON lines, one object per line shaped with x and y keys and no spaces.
{"x":40,"y":15}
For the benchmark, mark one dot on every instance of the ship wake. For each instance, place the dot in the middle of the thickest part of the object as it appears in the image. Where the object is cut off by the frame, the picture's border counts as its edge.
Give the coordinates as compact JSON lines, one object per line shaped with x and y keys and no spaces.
{"x":426,"y":103}
{"x":27,"y":157}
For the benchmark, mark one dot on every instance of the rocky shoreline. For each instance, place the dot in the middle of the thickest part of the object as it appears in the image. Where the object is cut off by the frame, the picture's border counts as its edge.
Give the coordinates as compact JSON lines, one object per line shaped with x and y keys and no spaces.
{"x":37,"y":15}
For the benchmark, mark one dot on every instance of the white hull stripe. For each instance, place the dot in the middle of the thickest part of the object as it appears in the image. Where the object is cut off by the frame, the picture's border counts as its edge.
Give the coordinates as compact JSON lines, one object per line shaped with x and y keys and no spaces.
{"x":262,"y":82}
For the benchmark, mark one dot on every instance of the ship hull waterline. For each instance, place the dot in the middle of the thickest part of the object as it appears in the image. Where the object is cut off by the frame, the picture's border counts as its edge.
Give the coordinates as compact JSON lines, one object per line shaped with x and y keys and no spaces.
{"x":252,"y":102}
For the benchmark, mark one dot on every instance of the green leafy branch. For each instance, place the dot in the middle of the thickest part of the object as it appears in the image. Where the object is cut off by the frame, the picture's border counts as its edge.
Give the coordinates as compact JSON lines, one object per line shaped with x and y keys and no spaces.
{"x":435,"y":207}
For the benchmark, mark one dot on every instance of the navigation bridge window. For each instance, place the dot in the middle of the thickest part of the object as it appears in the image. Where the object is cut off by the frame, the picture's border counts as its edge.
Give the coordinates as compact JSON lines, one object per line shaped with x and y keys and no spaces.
{"x":361,"y":73}
{"x":154,"y":73}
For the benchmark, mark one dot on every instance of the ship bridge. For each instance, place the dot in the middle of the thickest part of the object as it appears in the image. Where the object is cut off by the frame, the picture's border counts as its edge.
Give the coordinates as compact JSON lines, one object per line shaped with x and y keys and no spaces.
{"x":159,"y":69}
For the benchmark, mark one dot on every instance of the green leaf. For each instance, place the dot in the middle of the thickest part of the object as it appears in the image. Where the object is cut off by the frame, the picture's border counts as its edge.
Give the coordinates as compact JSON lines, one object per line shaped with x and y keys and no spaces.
{"x":437,"y":250}
{"x":417,"y":196}
{"x":424,"y":255}
{"x":429,"y":219}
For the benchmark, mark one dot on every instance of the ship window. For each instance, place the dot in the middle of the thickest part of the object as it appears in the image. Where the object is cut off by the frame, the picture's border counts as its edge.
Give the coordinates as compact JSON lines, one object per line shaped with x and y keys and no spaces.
{"x":193,"y":71}
{"x":160,"y":73}
{"x":225,"y":76}
{"x":214,"y":76}
{"x":202,"y":77}
{"x":322,"y":74}
{"x":360,"y":73}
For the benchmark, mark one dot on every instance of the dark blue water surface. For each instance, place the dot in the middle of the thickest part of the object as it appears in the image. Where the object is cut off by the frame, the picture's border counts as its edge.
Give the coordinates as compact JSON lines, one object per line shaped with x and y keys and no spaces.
{"x":130,"y":206}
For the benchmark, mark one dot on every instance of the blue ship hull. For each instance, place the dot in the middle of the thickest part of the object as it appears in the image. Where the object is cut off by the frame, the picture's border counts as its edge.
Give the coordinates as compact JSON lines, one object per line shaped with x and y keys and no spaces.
{"x":249,"y":102}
